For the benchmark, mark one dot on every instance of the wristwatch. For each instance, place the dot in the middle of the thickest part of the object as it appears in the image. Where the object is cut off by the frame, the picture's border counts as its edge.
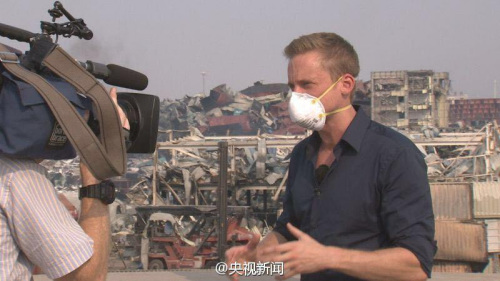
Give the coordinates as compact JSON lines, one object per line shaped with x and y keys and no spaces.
{"x":105,"y":190}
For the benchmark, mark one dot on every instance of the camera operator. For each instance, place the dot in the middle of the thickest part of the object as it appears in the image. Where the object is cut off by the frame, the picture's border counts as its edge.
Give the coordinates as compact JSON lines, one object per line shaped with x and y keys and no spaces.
{"x":35,"y":227}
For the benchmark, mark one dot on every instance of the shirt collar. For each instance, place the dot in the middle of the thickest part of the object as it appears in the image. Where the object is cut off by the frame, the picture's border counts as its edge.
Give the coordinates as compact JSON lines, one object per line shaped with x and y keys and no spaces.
{"x":352,"y":136}
{"x":357,"y":129}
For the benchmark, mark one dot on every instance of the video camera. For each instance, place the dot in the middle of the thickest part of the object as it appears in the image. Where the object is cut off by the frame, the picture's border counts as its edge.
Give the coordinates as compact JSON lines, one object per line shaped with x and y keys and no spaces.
{"x":142,"y":110}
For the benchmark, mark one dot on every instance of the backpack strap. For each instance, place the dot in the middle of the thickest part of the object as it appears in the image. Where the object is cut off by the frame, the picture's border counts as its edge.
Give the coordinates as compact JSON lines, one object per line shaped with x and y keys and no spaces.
{"x":105,"y":158}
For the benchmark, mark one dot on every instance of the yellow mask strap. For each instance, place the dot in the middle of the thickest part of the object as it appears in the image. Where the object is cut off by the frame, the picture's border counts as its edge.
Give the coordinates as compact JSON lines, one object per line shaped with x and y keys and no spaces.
{"x":335,"y":111}
{"x":327,"y":90}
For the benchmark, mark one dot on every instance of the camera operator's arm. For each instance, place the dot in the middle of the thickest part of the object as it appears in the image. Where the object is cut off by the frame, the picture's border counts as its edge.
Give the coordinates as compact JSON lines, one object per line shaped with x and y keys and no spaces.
{"x":94,"y":220}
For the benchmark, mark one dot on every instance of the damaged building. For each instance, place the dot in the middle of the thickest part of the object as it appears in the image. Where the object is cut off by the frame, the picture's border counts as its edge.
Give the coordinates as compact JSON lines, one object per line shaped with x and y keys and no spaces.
{"x":410,"y":99}
{"x":474,"y":112}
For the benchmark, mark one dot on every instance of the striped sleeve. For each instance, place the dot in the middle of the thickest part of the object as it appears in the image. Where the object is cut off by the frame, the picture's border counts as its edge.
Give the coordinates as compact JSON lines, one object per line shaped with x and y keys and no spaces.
{"x":43,"y":229}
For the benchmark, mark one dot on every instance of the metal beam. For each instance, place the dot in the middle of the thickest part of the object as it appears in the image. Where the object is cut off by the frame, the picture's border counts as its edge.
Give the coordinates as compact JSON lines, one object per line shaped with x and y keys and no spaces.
{"x":448,"y":143}
{"x":236,"y":143}
{"x":222,"y":200}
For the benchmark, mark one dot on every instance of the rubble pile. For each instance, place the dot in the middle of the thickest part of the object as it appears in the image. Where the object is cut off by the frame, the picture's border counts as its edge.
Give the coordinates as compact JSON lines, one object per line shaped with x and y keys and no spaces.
{"x":466,"y":156}
{"x":257,"y":109}
{"x":64,"y":174}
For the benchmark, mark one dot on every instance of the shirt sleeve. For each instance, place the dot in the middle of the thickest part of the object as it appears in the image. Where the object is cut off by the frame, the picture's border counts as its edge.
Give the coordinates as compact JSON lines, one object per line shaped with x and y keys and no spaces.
{"x":288,"y":214}
{"x":406,"y":206}
{"x":43,"y":228}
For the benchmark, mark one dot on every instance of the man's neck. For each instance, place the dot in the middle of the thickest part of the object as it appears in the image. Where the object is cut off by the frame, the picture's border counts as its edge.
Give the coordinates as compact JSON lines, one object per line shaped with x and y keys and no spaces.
{"x":335,"y":127}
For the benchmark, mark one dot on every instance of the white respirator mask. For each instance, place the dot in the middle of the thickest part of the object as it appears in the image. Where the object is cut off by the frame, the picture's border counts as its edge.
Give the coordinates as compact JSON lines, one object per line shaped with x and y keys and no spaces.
{"x":308,"y":111}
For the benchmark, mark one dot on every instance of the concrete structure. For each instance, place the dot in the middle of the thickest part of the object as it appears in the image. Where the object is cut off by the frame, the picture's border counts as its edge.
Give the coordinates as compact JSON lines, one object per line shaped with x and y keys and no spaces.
{"x":410,"y":99}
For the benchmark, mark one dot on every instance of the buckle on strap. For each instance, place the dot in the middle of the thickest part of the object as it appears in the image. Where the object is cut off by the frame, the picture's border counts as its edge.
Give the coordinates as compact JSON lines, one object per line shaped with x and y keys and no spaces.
{"x":7,"y":57}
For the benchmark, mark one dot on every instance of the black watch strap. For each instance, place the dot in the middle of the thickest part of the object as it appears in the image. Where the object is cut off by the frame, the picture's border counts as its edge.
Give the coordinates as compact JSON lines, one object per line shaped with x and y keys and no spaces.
{"x":104,"y":190}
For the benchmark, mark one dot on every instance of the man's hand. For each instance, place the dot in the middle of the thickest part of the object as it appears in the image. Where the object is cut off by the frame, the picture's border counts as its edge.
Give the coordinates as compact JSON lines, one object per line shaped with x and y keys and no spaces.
{"x":123,"y":117}
{"x":253,"y":251}
{"x":305,"y":255}
{"x":242,"y":254}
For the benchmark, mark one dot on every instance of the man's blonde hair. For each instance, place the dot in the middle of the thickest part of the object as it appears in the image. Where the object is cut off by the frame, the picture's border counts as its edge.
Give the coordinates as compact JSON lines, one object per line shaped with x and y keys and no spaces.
{"x":338,"y":55}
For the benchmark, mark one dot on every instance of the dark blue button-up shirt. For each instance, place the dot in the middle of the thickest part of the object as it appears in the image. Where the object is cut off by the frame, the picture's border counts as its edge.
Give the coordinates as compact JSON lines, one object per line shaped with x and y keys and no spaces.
{"x":375,"y":195}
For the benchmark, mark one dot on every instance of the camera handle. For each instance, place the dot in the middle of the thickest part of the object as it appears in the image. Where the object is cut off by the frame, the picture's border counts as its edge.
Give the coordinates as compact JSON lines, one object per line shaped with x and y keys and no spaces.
{"x":75,"y":27}
{"x":15,"y":33}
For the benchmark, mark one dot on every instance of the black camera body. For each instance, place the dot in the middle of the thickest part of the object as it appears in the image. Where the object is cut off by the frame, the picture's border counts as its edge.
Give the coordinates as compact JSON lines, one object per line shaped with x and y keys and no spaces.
{"x":142,"y":111}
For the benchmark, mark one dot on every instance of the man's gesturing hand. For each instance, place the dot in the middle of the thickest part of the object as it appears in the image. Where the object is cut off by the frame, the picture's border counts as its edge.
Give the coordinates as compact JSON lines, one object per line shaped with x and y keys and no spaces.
{"x":305,"y":255}
{"x":242,"y":254}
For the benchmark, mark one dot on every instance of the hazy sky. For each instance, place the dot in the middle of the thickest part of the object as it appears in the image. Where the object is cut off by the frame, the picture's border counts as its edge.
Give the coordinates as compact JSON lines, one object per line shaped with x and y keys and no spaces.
{"x":240,"y":42}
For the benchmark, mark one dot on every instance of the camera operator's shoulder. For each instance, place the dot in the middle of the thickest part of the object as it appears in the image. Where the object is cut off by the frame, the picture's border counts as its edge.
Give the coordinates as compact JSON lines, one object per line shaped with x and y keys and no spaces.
{"x":14,"y":165}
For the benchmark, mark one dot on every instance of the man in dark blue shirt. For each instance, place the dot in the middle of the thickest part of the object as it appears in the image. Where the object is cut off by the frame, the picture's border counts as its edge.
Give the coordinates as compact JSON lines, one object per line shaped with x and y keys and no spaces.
{"x":357,"y":203}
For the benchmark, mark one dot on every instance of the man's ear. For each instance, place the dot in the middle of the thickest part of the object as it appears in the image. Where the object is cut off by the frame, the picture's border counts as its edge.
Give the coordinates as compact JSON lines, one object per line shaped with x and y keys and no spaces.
{"x":347,"y":85}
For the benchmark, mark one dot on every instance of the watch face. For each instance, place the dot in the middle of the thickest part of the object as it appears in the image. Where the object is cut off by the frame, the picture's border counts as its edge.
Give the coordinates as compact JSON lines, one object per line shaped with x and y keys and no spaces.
{"x":109,"y":193}
{"x":108,"y":201}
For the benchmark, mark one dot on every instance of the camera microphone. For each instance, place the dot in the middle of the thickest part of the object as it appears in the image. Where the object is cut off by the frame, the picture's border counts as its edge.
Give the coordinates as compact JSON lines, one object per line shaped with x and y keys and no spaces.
{"x":117,"y":75}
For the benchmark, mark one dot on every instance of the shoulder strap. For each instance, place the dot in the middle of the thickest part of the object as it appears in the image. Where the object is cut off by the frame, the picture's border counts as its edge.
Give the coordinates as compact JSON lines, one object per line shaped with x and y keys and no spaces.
{"x":106,"y":159}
